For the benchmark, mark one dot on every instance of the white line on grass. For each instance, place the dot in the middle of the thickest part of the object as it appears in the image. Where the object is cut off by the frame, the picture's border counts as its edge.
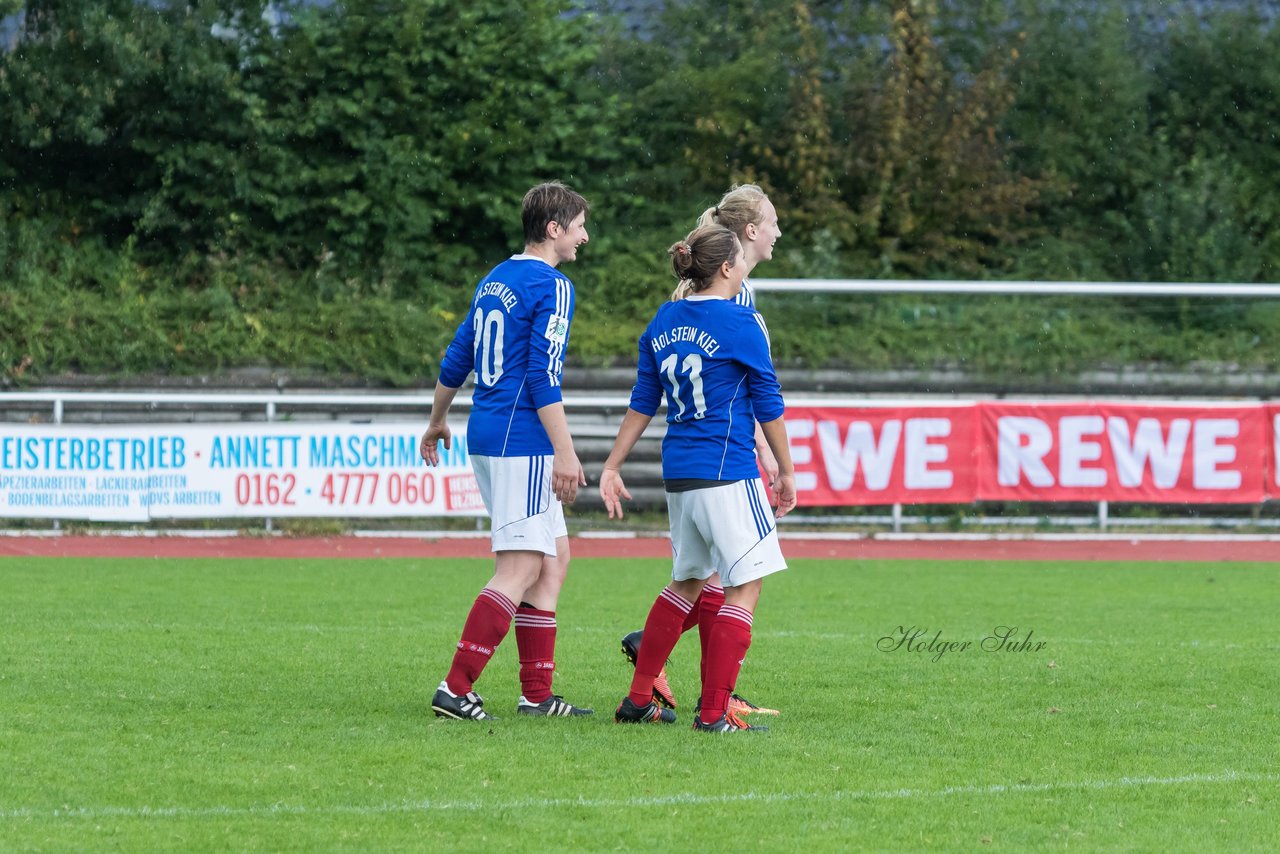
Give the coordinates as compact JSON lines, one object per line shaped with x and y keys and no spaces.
{"x":681,"y":798}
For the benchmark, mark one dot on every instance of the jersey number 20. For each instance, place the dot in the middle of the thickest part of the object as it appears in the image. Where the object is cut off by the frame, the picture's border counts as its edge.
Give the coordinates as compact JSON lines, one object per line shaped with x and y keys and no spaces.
{"x":692,"y":369}
{"x":488,"y":330}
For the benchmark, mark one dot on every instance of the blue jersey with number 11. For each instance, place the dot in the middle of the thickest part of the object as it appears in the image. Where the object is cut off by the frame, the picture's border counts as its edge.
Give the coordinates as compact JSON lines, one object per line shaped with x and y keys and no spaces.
{"x":514,"y":338}
{"x":710,"y":357}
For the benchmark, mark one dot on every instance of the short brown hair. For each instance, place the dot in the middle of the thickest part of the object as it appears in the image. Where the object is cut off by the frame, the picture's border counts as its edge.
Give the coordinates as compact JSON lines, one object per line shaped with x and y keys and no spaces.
{"x":547,"y":203}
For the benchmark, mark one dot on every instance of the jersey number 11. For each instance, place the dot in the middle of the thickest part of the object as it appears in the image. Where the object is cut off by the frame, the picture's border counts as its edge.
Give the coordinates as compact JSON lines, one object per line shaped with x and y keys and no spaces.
{"x":692,"y":369}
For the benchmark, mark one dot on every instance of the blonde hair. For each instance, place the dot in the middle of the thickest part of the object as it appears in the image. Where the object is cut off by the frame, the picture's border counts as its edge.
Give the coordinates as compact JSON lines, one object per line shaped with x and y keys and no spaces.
{"x":743,"y":205}
{"x":696,"y":259}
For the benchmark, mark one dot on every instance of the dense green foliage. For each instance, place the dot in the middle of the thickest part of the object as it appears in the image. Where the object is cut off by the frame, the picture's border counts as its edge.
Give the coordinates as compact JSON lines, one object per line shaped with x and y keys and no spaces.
{"x":189,"y":186}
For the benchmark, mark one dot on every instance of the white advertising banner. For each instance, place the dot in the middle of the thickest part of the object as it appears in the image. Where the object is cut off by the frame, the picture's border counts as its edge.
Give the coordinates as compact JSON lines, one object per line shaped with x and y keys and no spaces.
{"x":142,"y":472}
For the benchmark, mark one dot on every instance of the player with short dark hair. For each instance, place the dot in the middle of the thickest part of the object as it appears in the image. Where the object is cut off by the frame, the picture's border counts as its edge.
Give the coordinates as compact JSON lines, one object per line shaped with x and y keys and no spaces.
{"x":710,"y":357}
{"x":514,"y":337}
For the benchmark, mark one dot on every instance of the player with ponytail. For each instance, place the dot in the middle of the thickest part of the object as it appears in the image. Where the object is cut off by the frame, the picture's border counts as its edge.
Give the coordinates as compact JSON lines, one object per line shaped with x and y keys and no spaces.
{"x":747,"y":212}
{"x":709,"y":356}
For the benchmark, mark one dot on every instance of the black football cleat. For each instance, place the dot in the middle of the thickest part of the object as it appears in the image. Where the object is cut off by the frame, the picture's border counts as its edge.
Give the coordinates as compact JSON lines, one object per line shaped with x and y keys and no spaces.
{"x":650,"y":713}
{"x":727,"y":723}
{"x":468,"y":707}
{"x":552,"y":707}
{"x":662,"y":692}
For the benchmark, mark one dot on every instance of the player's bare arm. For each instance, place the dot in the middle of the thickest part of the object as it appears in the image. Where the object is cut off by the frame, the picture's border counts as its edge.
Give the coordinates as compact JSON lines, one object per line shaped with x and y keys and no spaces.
{"x":612,"y":488}
{"x":566,"y":471}
{"x":775,"y":433}
{"x":438,"y":428}
{"x":768,"y":461}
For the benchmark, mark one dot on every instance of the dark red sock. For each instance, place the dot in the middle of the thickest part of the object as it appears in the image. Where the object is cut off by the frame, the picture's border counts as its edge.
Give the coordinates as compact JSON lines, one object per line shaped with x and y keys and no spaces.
{"x":487,"y":624}
{"x":708,"y":609}
{"x":661,"y":631}
{"x":730,"y":640}
{"x":536,"y":641}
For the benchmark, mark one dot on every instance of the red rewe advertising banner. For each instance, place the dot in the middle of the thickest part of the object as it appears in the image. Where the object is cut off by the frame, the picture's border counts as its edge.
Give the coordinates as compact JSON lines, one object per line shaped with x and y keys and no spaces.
{"x":1123,"y":452}
{"x":884,"y":454}
{"x":1273,"y":461}
{"x":1202,"y":453}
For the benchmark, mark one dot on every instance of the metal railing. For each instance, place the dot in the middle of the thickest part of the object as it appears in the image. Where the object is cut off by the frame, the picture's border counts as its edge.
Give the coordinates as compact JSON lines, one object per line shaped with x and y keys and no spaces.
{"x":594,"y":420}
{"x":924,"y":286}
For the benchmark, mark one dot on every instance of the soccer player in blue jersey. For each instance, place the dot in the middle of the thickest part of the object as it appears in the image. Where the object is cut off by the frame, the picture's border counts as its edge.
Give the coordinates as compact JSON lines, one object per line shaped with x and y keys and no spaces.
{"x":747,"y":212}
{"x":514,"y":338}
{"x":710,"y":357}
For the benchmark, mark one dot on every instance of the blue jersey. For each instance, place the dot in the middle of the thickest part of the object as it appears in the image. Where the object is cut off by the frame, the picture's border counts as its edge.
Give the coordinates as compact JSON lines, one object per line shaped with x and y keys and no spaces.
{"x":710,"y":357}
{"x":747,"y":297}
{"x":514,"y":338}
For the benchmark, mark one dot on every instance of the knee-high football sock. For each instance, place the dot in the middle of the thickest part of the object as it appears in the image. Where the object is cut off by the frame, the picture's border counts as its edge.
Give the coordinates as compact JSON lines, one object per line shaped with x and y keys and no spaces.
{"x":661,"y":631}
{"x":691,"y":618}
{"x":708,"y":608}
{"x":730,"y":640}
{"x":536,"y":642}
{"x":487,"y":624}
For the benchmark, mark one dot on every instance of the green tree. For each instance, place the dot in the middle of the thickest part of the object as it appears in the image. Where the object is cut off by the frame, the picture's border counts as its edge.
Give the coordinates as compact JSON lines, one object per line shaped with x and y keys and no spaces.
{"x":930,"y":171}
{"x":1082,"y":121}
{"x":1218,"y":113}
{"x":119,"y":118}
{"x":801,"y":159}
{"x":731,"y":93}
{"x":397,"y":137}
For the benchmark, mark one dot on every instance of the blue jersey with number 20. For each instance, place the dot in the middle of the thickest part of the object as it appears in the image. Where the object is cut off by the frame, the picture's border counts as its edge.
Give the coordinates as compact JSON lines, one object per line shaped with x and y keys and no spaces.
{"x":710,"y":357}
{"x":514,"y":338}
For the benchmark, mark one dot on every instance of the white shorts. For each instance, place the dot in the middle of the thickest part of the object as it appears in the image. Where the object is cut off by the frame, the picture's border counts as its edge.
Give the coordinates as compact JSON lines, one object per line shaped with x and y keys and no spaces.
{"x":524,"y":513}
{"x":727,"y":529}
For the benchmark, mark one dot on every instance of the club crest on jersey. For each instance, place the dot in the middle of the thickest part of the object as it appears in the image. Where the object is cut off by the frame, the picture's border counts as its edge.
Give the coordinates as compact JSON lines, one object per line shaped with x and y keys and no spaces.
{"x":557,"y":329}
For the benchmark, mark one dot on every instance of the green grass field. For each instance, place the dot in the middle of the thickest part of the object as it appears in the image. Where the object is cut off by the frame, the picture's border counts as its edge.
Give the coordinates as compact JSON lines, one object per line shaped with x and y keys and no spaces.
{"x":284,"y":705}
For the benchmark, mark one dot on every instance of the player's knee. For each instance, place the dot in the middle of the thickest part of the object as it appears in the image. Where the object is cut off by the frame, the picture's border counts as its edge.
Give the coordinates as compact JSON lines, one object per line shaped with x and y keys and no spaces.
{"x":554,"y":572}
{"x":687,"y":588}
{"x":744,"y":595}
{"x":520,"y":567}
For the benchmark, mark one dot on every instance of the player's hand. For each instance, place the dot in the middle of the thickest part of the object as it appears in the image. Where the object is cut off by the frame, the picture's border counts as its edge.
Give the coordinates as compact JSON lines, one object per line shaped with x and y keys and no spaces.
{"x":566,"y":476}
{"x":769,"y":465}
{"x":429,"y":450}
{"x":612,"y":491}
{"x":785,"y":491}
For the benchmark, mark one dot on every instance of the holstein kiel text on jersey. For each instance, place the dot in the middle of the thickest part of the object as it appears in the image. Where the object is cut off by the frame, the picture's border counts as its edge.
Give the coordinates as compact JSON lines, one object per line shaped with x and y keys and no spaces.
{"x":704,"y":340}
